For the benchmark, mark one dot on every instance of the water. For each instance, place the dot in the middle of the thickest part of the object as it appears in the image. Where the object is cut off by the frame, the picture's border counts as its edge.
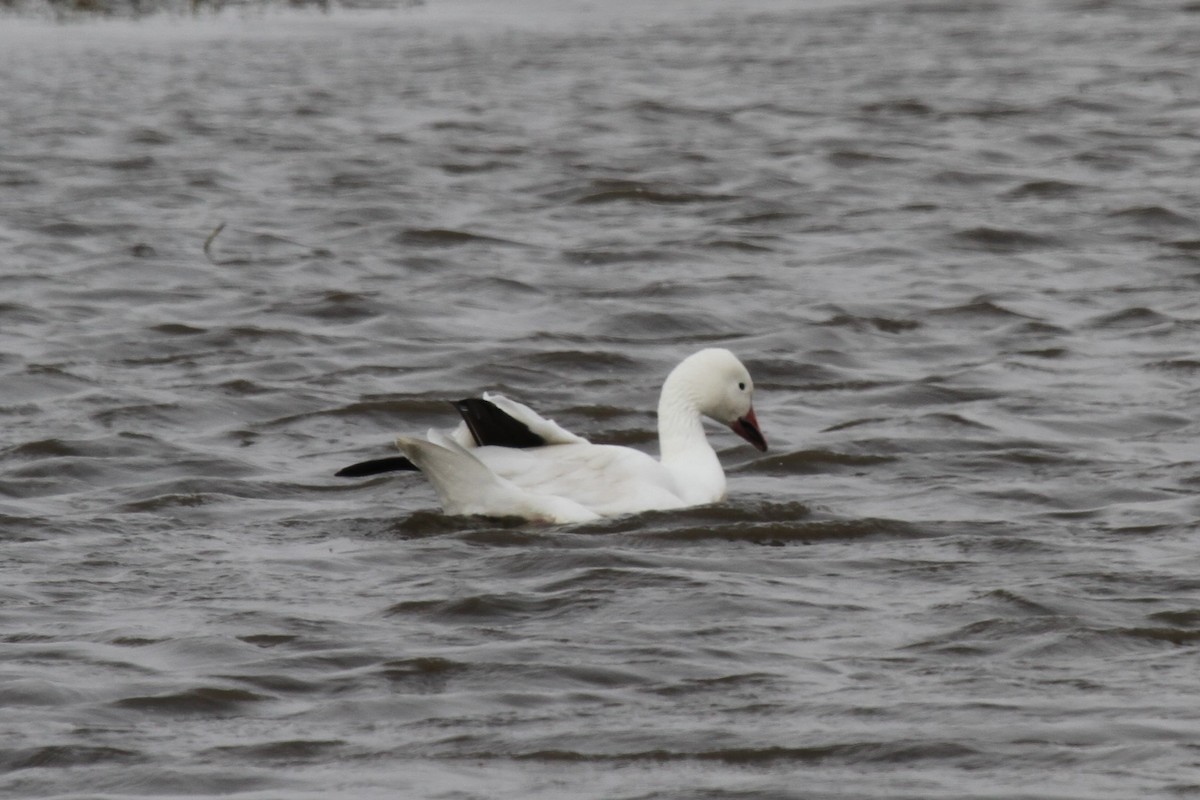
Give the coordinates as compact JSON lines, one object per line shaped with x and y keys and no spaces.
{"x":956,"y":243}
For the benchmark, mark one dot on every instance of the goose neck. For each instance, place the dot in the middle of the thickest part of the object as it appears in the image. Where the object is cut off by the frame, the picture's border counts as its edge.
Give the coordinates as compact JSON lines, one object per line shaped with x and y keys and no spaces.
{"x":680,"y":428}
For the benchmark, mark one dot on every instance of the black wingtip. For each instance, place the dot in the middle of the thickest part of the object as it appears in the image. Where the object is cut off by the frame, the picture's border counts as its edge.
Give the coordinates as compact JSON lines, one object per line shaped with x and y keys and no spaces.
{"x":491,"y":426}
{"x":376,"y":466}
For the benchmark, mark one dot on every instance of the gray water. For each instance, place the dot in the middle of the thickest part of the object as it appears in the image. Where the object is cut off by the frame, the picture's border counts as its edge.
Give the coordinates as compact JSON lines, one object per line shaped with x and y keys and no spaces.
{"x":956,"y":243}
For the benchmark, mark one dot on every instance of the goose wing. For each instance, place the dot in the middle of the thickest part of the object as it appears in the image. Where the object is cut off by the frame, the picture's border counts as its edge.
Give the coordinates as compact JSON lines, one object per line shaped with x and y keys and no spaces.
{"x":491,"y":421}
{"x":605,"y":479}
{"x":549,"y":431}
{"x":465,"y":485}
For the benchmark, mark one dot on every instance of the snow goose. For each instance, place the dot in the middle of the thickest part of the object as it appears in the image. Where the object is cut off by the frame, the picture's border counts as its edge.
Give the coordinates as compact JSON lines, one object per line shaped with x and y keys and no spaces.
{"x":506,"y":460}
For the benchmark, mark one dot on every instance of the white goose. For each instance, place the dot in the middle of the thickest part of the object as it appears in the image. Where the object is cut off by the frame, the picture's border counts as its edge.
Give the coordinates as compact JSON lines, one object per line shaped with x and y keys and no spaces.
{"x":506,"y":460}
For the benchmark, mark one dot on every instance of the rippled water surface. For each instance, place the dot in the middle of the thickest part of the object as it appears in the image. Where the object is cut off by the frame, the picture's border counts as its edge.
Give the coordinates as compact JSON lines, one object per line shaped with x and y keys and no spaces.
{"x":957,"y":243}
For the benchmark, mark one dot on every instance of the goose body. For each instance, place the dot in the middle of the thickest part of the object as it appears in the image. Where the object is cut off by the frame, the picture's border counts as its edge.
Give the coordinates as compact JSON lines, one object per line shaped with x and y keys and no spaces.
{"x":504,"y":459}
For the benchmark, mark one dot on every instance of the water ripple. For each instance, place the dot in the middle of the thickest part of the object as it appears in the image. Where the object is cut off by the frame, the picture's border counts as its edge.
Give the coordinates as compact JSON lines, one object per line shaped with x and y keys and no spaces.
{"x":954,"y":242}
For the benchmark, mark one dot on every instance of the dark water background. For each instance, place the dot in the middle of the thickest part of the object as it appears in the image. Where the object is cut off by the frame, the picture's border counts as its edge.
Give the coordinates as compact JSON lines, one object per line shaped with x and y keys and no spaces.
{"x":958,"y":244}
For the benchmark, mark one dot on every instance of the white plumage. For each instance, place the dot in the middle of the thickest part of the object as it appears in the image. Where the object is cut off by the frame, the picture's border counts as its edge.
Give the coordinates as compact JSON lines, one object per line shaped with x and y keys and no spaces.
{"x":565,"y":478}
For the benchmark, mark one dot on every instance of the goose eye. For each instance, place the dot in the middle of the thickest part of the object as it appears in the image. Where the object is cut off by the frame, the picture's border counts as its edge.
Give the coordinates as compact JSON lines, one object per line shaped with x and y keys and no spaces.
{"x":742,"y":386}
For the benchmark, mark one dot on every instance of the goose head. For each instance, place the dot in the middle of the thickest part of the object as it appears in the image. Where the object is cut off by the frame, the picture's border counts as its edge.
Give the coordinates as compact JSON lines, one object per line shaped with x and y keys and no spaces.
{"x":719,"y":387}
